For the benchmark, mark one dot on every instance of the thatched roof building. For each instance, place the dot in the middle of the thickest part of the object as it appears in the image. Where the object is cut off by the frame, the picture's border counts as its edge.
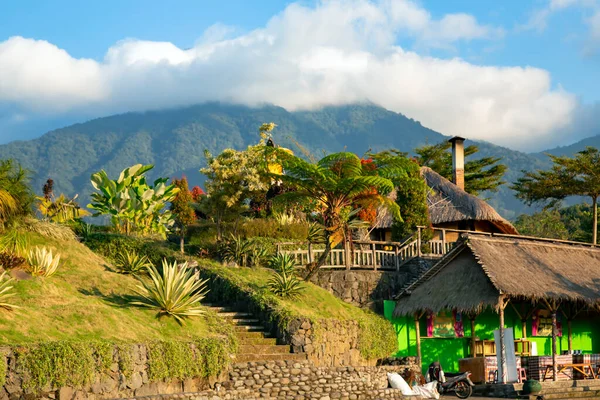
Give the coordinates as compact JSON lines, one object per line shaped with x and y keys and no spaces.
{"x":482,"y":268}
{"x":450,"y":204}
{"x":451,"y":207}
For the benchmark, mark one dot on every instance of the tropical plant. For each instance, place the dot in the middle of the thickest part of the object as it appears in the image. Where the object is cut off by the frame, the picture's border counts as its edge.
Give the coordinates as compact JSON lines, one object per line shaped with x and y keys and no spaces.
{"x":243,"y":252}
{"x":569,"y":176}
{"x":130,"y":262}
{"x":133,"y":205}
{"x":181,"y":207}
{"x":85,"y":230}
{"x":61,"y":209}
{"x":284,"y":282}
{"x":173,"y":291}
{"x":6,"y":292}
{"x":483,"y":174}
{"x":16,"y":196}
{"x":339,"y":183}
{"x":42,"y":262}
{"x":14,"y":241}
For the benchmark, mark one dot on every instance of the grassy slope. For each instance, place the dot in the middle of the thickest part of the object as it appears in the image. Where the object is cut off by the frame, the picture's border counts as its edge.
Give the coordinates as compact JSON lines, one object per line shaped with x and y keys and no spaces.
{"x":314,"y":302}
{"x":86,"y":300}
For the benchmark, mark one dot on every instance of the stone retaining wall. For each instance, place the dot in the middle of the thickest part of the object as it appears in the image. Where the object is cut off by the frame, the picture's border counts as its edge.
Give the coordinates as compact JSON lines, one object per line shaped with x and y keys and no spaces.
{"x":301,"y":380}
{"x":110,"y":385}
{"x":365,"y":288}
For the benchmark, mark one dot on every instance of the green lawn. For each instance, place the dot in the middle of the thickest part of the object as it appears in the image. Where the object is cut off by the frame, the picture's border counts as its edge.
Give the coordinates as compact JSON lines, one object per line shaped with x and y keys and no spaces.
{"x":87,"y":300}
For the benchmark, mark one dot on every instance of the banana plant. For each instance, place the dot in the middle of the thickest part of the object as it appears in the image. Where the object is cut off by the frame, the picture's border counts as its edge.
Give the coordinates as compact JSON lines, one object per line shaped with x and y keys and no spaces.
{"x":133,"y":205}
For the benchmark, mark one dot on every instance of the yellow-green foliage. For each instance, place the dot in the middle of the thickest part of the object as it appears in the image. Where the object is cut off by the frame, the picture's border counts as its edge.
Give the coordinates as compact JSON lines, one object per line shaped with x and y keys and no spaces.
{"x":57,"y":364}
{"x":125,"y":359}
{"x":202,"y":358}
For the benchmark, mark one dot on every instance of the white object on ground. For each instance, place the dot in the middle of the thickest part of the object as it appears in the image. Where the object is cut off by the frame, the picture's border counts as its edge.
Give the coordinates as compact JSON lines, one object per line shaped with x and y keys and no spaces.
{"x":427,"y":391}
{"x":398,"y":382}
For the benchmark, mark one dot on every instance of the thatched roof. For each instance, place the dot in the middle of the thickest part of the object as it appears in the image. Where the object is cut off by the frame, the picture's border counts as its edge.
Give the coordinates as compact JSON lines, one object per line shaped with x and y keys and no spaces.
{"x":449,"y":203}
{"x":482,"y":268}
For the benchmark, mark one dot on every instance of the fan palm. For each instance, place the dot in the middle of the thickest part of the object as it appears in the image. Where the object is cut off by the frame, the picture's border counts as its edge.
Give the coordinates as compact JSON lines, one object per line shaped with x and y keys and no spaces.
{"x":339,"y":183}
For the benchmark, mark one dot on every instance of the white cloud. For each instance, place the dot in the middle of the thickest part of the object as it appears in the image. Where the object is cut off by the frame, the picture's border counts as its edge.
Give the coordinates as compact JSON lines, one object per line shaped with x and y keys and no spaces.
{"x":338,"y":52}
{"x":594,"y":37}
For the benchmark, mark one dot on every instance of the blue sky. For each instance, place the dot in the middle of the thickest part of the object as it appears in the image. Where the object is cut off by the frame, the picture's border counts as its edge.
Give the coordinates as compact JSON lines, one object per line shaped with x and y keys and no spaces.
{"x":525,"y":72}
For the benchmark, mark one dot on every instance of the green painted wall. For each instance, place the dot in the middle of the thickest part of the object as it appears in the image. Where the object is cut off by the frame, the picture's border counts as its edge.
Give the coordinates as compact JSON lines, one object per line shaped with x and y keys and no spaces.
{"x":586,"y":336}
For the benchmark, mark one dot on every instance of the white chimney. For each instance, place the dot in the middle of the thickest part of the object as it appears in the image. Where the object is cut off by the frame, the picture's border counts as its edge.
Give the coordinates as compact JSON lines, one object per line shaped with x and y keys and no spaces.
{"x":458,"y":161}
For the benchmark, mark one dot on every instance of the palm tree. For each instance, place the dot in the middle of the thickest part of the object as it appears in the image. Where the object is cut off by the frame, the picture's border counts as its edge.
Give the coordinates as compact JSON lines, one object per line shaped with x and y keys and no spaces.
{"x":339,"y":184}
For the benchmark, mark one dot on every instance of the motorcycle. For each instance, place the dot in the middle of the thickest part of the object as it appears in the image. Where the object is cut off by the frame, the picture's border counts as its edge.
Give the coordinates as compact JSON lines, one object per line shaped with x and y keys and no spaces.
{"x":460,"y":384}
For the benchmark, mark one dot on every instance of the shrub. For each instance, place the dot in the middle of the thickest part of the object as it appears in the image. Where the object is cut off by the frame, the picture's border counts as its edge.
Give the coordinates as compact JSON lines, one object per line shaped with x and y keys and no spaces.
{"x":284,"y":282}
{"x":174,"y":291}
{"x":6,"y":292}
{"x":244,"y":252}
{"x":130,"y":262}
{"x":110,"y":245}
{"x":10,"y":261}
{"x":42,"y":262}
{"x":14,"y":241}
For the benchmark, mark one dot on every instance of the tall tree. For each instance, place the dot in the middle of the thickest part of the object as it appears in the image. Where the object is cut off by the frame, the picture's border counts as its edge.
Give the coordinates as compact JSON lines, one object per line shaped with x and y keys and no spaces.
{"x":569,"y":176}
{"x":181,"y":207}
{"x":338,"y":183}
{"x":482,"y":174}
{"x":546,"y":223}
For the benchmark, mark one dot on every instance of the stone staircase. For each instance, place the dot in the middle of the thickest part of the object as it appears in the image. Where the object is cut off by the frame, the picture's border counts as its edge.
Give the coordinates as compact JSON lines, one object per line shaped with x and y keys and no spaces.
{"x":255,"y":342}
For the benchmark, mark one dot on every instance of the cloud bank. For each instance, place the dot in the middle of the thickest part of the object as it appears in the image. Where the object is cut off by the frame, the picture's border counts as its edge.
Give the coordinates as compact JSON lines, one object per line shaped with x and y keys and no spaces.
{"x":337,"y":52}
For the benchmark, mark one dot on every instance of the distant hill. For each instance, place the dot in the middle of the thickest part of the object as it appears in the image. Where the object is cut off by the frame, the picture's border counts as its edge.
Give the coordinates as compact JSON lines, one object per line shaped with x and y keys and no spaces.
{"x":593,"y":141}
{"x":174,"y":140}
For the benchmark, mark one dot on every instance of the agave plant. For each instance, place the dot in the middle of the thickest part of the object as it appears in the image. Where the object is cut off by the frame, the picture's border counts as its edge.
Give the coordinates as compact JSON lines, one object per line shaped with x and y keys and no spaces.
{"x":236,"y":250}
{"x":130,"y":262}
{"x":6,"y":292}
{"x":42,"y":262}
{"x":284,"y":282}
{"x":174,"y":291}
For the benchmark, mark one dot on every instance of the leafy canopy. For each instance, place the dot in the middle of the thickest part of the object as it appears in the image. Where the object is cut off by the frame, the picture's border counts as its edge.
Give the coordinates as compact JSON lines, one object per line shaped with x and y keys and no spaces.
{"x":133,"y":205}
{"x":483,"y":174}
{"x":569,"y":176}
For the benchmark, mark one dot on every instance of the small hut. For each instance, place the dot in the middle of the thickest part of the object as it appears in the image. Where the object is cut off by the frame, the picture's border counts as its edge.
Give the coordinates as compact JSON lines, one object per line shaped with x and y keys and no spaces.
{"x":450,"y":207}
{"x":493,"y":271}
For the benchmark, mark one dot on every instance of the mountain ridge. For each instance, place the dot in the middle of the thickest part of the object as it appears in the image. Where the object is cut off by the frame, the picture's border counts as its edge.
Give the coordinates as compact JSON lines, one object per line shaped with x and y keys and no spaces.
{"x":174,"y":141}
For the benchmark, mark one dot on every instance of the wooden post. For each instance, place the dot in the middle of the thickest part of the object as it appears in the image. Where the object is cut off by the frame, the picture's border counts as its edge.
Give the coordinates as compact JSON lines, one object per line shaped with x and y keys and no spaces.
{"x":502,"y":306}
{"x":418,"y":329}
{"x":397,"y":257}
{"x":524,"y":328}
{"x":473,"y":337}
{"x":443,"y":241}
{"x":374,"y":255}
{"x":310,"y":255}
{"x":554,"y":330}
{"x":278,"y":248}
{"x":570,"y":338}
{"x":419,"y":241}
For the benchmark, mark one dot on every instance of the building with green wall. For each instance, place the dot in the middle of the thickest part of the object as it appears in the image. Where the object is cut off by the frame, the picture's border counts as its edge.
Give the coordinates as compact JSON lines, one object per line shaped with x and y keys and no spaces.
{"x":585,"y":332}
{"x":501,"y":277}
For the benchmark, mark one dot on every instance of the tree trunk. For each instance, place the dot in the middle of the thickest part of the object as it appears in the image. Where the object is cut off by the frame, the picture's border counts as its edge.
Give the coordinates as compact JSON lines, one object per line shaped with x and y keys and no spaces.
{"x":595,"y":218}
{"x":418,"y":340}
{"x":314,"y":267}
{"x":181,"y":243}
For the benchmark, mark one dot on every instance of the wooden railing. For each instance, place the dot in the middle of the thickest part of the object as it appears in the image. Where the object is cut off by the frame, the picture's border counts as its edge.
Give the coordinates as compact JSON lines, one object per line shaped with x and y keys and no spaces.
{"x":363,"y":254}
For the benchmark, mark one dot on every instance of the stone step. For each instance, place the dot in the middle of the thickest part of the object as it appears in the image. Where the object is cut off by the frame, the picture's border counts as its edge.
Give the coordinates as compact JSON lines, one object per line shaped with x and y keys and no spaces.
{"x":249,"y":328}
{"x":219,"y":309}
{"x":263,"y":349}
{"x":243,"y":334}
{"x":258,"y":342}
{"x":235,"y":315}
{"x":245,"y":321}
{"x":241,"y":358}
